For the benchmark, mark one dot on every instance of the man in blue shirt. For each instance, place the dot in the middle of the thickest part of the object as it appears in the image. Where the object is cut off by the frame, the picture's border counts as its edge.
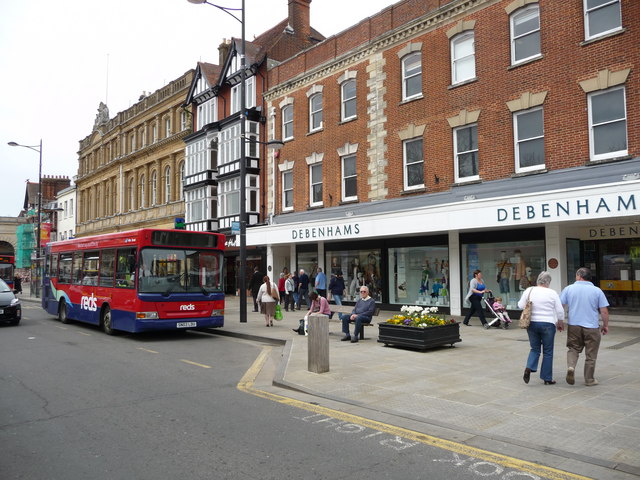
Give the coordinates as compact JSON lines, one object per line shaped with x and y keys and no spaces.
{"x":321,"y":283}
{"x":586,"y":302}
{"x":362,"y":313}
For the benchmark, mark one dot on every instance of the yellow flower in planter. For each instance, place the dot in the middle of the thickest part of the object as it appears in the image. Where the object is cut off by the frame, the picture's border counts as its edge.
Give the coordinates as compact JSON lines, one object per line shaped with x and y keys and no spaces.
{"x":416,"y":316}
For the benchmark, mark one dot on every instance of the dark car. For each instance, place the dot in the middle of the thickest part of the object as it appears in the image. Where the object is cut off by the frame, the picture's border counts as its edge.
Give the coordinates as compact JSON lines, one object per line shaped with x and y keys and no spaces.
{"x":10,"y":308}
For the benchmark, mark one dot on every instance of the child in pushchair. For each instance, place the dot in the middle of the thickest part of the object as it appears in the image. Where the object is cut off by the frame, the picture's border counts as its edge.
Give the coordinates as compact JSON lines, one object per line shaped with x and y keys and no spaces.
{"x":499,"y":311}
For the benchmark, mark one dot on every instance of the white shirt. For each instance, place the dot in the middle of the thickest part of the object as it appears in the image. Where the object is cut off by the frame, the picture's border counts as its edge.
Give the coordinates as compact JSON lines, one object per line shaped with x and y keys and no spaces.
{"x":547,"y":306}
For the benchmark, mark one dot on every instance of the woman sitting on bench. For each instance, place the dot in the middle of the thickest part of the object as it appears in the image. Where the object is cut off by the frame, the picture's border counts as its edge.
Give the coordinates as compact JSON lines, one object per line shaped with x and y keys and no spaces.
{"x":363,"y":312}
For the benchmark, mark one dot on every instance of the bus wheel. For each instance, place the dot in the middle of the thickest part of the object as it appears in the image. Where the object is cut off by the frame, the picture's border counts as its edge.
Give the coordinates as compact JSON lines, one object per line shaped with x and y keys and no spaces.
{"x":106,"y":321}
{"x":62,"y":312}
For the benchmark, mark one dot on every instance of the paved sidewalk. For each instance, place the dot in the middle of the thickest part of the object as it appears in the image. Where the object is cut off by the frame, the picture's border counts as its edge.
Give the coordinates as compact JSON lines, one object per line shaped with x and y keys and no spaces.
{"x":474,"y":393}
{"x":475,"y":390}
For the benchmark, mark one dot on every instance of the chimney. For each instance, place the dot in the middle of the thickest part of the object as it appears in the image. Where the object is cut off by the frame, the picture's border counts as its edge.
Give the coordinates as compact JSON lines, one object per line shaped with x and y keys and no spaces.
{"x":299,"y":19}
{"x":223,"y":50}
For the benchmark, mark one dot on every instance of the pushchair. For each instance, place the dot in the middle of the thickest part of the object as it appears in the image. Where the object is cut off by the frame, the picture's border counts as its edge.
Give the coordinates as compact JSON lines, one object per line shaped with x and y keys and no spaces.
{"x":500,"y":319}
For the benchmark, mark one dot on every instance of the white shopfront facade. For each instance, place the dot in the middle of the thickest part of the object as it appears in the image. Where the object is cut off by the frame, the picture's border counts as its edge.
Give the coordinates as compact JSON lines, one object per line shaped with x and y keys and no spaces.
{"x":500,"y":235}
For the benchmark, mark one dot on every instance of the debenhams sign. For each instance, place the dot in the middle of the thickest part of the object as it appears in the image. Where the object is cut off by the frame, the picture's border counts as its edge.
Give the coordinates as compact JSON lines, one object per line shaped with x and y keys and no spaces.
{"x":326,"y":232}
{"x":588,"y":207}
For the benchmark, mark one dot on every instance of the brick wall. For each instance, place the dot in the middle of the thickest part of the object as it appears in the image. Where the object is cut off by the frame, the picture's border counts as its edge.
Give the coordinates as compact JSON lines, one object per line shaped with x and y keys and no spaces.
{"x":371,"y":48}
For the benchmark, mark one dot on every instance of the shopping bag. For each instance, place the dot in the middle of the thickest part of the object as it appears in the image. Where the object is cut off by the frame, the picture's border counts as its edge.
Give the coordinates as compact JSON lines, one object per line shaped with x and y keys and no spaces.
{"x":278,"y":314}
{"x":525,"y":316}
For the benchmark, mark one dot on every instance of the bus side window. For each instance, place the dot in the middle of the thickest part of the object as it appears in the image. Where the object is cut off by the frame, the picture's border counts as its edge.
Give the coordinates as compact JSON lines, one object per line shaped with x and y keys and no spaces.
{"x":76,"y":269}
{"x":125,"y":268}
{"x":107,"y":268}
{"x":66,"y":260}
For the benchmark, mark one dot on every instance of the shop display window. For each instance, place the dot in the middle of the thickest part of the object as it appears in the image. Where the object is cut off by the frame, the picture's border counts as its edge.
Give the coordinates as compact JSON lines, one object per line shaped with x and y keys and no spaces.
{"x":359,"y":267}
{"x":419,"y":275}
{"x":308,"y":261}
{"x":508,"y":268}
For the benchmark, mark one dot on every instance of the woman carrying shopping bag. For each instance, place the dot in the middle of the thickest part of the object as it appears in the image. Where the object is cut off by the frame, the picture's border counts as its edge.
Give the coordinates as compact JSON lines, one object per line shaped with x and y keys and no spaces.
{"x":267,"y":298}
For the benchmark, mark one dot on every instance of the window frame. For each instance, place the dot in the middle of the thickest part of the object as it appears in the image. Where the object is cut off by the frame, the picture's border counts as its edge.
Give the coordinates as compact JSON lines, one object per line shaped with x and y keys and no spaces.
{"x":287,"y":190}
{"x":406,"y":165}
{"x":587,"y":12}
{"x":314,"y":113}
{"x":346,"y":101}
{"x":592,"y":147}
{"x":456,"y":41}
{"x":457,"y":154}
{"x":523,"y":12}
{"x":344,"y":179}
{"x":312,"y":202}
{"x":518,"y":141}
{"x":287,"y":124}
{"x":406,"y":78}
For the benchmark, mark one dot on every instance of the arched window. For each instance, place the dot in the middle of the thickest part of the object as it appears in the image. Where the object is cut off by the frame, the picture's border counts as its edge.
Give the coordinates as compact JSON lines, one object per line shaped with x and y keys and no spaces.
{"x":141,"y":202}
{"x":167,"y":184}
{"x":132,"y":195}
{"x":154,"y":188}
{"x":181,"y":181}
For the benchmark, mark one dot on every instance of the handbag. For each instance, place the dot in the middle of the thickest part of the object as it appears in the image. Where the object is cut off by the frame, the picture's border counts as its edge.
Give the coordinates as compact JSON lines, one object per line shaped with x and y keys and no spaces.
{"x":278,"y":314}
{"x":525,"y":316}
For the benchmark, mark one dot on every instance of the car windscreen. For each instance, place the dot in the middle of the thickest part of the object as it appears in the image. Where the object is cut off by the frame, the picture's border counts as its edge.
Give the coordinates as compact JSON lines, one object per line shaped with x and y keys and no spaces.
{"x":170,"y":270}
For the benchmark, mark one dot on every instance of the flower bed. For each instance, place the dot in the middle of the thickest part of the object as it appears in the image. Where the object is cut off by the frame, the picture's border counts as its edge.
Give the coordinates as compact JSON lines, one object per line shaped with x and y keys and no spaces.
{"x":419,"y":328}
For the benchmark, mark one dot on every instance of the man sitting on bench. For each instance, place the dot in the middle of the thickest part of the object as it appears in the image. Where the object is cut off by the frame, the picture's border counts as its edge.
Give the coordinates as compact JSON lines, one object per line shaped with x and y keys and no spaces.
{"x":362,"y":313}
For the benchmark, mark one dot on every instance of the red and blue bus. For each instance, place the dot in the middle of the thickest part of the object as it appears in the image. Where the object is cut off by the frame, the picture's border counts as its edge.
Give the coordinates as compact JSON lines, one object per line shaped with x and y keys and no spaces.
{"x":137,"y":281}
{"x":7,"y":264}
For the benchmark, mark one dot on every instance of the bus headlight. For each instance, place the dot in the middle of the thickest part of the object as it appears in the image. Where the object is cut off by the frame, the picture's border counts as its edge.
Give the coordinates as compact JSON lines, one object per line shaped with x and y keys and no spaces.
{"x":147,"y":315}
{"x":216,"y":313}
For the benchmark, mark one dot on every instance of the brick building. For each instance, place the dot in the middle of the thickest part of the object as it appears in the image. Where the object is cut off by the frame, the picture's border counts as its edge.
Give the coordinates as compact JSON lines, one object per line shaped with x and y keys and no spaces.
{"x":440,"y":137}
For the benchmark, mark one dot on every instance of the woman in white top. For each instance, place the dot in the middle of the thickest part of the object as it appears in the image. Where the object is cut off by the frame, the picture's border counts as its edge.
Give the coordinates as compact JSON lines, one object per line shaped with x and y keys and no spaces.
{"x":267,"y":298}
{"x":547,"y":315}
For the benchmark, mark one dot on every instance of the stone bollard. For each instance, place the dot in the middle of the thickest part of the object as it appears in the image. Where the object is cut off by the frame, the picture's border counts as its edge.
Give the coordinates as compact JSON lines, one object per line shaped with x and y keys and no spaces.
{"x":318,"y":343}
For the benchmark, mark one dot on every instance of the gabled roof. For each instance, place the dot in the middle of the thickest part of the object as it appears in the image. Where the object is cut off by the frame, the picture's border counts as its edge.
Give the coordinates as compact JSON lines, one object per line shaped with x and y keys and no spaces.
{"x":209,"y":71}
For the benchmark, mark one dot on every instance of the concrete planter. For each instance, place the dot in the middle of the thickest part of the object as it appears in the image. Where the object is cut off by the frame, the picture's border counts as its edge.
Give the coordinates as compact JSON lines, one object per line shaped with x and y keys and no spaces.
{"x":418,"y":338}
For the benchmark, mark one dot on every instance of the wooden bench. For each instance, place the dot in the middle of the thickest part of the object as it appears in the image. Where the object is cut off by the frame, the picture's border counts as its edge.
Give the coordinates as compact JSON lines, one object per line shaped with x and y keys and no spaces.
{"x":348,"y":309}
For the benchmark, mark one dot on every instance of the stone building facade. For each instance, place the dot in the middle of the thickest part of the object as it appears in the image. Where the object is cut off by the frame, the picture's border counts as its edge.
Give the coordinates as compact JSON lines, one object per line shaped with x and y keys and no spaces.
{"x":131,"y":166}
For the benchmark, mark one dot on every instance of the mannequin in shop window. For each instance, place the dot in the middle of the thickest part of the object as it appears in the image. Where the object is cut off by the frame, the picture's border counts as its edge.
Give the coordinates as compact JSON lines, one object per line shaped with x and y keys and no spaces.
{"x":504,"y":270}
{"x":527,"y":280}
{"x":355,"y":269}
{"x":424,"y":282}
{"x":518,"y":269}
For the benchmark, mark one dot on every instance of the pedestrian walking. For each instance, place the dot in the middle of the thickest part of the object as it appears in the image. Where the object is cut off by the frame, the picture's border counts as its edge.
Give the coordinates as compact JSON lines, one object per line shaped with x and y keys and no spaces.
{"x":321,"y":283}
{"x":547,"y":315}
{"x":289,"y":289}
{"x":281,"y":290}
{"x":254,"y":285}
{"x":303,"y":288}
{"x":17,"y":284}
{"x":267,"y":298}
{"x":336,"y":287}
{"x":474,"y":295}
{"x":586,"y":304}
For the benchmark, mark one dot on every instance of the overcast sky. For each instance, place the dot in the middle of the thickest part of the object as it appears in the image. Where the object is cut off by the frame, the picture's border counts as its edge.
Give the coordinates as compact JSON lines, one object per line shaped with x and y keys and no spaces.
{"x":59,"y":60}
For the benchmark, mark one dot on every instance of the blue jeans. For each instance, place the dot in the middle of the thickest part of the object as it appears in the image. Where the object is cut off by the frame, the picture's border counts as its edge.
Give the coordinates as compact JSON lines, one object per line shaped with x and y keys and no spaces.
{"x":360,"y":319}
{"x":541,"y":335}
{"x":337,"y":299}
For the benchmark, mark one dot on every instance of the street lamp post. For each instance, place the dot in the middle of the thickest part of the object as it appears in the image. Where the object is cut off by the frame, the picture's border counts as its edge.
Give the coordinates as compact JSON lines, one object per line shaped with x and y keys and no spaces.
{"x":36,"y":148}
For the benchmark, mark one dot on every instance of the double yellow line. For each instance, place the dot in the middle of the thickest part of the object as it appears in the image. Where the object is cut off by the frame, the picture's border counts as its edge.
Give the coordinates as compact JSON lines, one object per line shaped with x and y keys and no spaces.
{"x":246,"y":385}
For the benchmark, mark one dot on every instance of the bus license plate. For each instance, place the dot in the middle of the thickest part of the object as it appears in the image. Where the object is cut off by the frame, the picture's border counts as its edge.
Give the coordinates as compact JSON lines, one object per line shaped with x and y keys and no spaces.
{"x":187,"y":324}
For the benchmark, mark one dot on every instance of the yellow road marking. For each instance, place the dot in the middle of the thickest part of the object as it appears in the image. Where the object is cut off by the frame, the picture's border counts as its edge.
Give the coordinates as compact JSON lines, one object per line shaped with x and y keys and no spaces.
{"x":246,"y":385}
{"x":147,"y":350}
{"x":194,"y":363}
